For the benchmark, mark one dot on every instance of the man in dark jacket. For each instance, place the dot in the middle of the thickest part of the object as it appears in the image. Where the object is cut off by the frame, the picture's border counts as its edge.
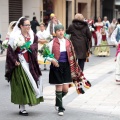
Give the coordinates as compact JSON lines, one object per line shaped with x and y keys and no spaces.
{"x":80,"y":37}
{"x":34,"y":23}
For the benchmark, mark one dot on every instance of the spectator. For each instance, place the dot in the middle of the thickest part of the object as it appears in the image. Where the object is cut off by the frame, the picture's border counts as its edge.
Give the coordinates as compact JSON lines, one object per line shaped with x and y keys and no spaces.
{"x":34,"y":23}
{"x":80,"y":37}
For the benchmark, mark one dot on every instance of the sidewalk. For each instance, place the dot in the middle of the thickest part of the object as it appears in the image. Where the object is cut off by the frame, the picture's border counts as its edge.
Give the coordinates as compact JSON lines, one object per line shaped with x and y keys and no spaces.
{"x":104,"y":96}
{"x":100,"y":102}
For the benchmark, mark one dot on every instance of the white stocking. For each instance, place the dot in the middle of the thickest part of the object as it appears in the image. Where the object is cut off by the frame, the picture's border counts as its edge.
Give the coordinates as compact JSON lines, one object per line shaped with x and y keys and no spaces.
{"x":22,"y":107}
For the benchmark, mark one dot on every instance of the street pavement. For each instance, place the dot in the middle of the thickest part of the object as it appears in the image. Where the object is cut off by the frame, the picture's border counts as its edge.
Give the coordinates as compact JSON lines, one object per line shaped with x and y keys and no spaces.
{"x":100,"y":102}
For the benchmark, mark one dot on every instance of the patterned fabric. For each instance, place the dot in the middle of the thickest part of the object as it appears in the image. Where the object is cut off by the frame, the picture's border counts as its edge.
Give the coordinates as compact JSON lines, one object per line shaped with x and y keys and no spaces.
{"x":12,"y":57}
{"x":76,"y":73}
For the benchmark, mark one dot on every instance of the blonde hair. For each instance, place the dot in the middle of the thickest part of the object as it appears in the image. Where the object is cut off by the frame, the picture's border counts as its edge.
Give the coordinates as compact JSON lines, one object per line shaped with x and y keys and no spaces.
{"x":42,"y":23}
{"x":79,"y":16}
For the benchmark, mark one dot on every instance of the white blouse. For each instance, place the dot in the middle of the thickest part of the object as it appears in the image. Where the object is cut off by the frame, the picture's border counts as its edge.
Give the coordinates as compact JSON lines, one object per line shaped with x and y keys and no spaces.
{"x":62,"y":46}
{"x":114,"y":34}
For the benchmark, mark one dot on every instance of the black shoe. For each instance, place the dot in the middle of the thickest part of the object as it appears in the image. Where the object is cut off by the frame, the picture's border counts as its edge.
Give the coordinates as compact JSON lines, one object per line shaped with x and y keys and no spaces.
{"x":23,"y":113}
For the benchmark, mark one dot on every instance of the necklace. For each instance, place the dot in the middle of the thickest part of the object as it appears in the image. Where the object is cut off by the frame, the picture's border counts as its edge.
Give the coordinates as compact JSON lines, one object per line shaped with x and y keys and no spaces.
{"x":27,"y":38}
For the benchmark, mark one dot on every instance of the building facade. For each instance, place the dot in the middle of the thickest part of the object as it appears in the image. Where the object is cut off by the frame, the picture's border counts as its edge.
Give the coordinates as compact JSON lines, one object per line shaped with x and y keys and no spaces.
{"x":64,"y":10}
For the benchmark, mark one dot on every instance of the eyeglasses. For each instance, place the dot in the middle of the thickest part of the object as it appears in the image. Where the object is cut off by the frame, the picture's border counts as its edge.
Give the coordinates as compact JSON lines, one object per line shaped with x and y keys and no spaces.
{"x":28,"y":25}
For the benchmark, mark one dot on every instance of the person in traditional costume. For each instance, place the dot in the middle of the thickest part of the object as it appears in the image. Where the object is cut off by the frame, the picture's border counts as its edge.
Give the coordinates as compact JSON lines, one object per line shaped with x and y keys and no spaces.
{"x":115,"y":39}
{"x":110,"y":30}
{"x":106,"y":23}
{"x":5,"y":42}
{"x":103,"y":49}
{"x":64,"y":68}
{"x":10,"y":29}
{"x":22,"y":68}
{"x":94,"y":35}
{"x":113,"y":23}
{"x":99,"y":24}
{"x":54,"y":21}
{"x":43,"y":38}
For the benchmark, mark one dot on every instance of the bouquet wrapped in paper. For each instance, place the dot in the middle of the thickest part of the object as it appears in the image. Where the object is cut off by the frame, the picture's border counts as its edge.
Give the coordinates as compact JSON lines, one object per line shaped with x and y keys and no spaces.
{"x":20,"y":42}
{"x":45,"y":52}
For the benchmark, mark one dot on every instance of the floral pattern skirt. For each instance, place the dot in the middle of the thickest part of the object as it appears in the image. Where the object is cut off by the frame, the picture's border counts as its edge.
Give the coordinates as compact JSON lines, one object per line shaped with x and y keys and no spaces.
{"x":21,"y":88}
{"x":102,"y":50}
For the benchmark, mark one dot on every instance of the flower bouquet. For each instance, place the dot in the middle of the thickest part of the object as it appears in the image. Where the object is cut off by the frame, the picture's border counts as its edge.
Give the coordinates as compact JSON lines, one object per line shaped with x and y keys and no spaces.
{"x":5,"y":44}
{"x":20,"y":42}
{"x":45,"y":52}
{"x":49,"y":38}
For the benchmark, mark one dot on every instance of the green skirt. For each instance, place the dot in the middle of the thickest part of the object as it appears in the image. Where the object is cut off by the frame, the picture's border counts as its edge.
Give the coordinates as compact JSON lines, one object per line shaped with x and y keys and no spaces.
{"x":21,"y":89}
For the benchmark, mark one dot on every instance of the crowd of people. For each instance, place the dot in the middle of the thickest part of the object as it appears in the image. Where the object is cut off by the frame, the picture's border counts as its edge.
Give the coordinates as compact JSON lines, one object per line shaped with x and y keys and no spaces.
{"x":66,"y":57}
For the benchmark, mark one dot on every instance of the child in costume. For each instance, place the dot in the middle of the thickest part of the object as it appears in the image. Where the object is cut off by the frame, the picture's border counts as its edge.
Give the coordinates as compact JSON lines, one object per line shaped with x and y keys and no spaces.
{"x":43,"y":38}
{"x":64,"y":68}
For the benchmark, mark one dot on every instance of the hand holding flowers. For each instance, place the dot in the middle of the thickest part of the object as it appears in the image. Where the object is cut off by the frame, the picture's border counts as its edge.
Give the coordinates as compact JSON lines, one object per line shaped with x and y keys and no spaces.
{"x":45,"y":52}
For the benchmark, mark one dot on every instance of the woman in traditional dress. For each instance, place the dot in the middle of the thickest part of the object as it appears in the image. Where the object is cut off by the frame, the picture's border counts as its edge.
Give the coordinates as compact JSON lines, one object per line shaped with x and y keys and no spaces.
{"x":10,"y":29}
{"x":43,"y":38}
{"x":102,"y":49}
{"x":98,"y":25}
{"x":23,"y":70}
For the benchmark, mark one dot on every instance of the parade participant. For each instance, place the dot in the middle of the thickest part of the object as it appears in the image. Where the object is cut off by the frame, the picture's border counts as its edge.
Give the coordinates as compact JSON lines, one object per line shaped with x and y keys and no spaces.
{"x":114,"y":23}
{"x":43,"y":38}
{"x":64,"y":68}
{"x":110,"y":31}
{"x":99,"y":24}
{"x":80,"y":37}
{"x":106,"y":23}
{"x":23,"y":70}
{"x":103,"y":49}
{"x":54,"y":21}
{"x":94,"y":36}
{"x":10,"y":29}
{"x":115,"y":38}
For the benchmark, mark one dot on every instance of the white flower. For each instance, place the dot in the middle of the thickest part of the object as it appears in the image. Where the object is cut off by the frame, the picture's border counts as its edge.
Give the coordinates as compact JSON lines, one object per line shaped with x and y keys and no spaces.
{"x":5,"y":43}
{"x":19,"y":42}
{"x":49,"y":38}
